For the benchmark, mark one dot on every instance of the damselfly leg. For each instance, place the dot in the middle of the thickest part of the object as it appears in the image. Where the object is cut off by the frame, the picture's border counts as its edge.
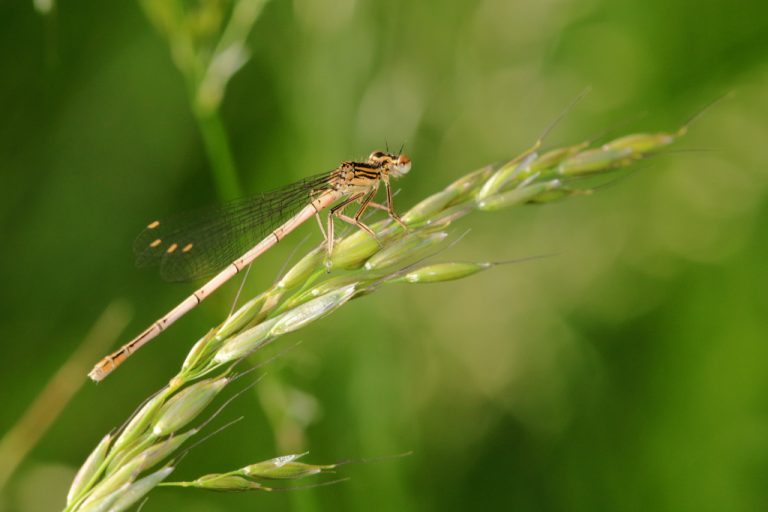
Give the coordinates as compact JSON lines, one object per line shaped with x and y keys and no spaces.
{"x":389,"y":208}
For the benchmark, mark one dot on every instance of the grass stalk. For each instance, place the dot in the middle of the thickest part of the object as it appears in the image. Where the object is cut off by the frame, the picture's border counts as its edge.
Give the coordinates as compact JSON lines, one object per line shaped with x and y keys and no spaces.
{"x":57,"y":393}
{"x":219,"y":153}
{"x":208,"y":45}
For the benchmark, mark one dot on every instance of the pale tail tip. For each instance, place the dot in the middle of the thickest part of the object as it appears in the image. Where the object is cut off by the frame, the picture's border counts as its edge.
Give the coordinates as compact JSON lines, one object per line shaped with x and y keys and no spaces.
{"x":98,"y":373}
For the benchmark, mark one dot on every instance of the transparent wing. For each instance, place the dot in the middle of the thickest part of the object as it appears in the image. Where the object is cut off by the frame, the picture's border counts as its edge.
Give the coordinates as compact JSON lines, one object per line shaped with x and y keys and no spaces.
{"x":201,"y":242}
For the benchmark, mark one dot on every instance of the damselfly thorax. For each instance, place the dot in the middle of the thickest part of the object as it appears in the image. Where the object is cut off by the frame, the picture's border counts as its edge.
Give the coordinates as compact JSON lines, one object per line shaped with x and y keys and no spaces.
{"x":228,"y":238}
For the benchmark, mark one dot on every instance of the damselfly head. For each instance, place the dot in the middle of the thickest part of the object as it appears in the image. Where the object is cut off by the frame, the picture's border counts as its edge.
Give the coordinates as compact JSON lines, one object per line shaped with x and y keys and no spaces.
{"x":396,"y":164}
{"x":401,"y":165}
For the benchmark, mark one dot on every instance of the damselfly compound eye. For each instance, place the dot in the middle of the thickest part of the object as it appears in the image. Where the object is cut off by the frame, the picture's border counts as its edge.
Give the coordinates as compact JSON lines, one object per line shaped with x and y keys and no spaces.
{"x":402,"y":165}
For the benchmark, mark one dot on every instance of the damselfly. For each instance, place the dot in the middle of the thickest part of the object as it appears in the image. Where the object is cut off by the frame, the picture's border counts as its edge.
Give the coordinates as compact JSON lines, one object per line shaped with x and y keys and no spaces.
{"x":235,"y":234}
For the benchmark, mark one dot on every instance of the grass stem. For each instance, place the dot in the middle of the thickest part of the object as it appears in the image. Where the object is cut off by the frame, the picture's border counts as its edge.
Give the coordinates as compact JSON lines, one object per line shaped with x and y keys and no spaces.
{"x":219,"y":154}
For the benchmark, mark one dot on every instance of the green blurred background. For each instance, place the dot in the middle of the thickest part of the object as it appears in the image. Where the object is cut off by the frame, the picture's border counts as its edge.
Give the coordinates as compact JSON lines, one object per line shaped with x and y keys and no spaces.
{"x":626,"y":373}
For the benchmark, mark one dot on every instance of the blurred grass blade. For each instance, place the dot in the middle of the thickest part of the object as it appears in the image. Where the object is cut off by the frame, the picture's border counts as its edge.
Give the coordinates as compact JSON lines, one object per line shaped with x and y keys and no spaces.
{"x":60,"y":389}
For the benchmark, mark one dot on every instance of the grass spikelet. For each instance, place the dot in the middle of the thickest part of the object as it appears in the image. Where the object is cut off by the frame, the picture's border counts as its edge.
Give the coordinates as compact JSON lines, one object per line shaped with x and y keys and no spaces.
{"x":185,"y":405}
{"x":244,"y":343}
{"x":407,"y":248}
{"x":313,"y":310}
{"x":89,"y":468}
{"x":132,"y":493}
{"x":351,"y":252}
{"x":104,"y":503}
{"x":429,"y":206}
{"x":246,"y":478}
{"x":438,"y":272}
{"x":524,"y":194}
{"x":222,"y":482}
{"x":140,"y":421}
{"x":303,"y":270}
{"x":284,"y":468}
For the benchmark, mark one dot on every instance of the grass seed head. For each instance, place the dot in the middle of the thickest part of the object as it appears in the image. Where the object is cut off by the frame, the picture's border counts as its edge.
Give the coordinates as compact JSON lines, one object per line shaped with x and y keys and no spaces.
{"x":185,"y":405}
{"x":595,"y":160}
{"x":312,"y":310}
{"x":284,"y":468}
{"x":407,"y":248}
{"x":138,"y":489}
{"x":242,"y":316}
{"x":466,"y":184}
{"x":429,"y":206}
{"x":124,"y":475}
{"x":439,"y":272}
{"x":525,"y":179}
{"x":244,"y":343}
{"x":517,"y":196}
{"x":226,"y":483}
{"x":302,"y":270}
{"x":552,"y":158}
{"x":159,"y":451}
{"x":200,"y":351}
{"x":559,"y":193}
{"x":102,"y":503}
{"x":321,"y":288}
{"x":88,"y":469}
{"x":640,"y":142}
{"x":140,"y":421}
{"x":506,"y":173}
{"x":352,"y":251}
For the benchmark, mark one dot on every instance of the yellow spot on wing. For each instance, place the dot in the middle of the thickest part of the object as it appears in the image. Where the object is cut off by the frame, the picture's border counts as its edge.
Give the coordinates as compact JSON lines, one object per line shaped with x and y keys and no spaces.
{"x":172,"y":248}
{"x":187,"y":248}
{"x":153,"y":225}
{"x":156,"y":243}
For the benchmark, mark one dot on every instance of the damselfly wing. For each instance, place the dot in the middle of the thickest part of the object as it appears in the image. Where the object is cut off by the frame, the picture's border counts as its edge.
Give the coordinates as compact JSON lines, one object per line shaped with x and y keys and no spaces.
{"x":199,"y":243}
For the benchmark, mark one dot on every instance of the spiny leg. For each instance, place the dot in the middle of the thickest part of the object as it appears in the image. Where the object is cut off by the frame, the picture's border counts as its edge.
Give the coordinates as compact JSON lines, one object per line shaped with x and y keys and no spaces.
{"x":312,"y":197}
{"x":329,"y":233}
{"x":392,"y":215}
{"x":366,"y":201}
{"x":389,"y":208}
{"x":322,"y":229}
